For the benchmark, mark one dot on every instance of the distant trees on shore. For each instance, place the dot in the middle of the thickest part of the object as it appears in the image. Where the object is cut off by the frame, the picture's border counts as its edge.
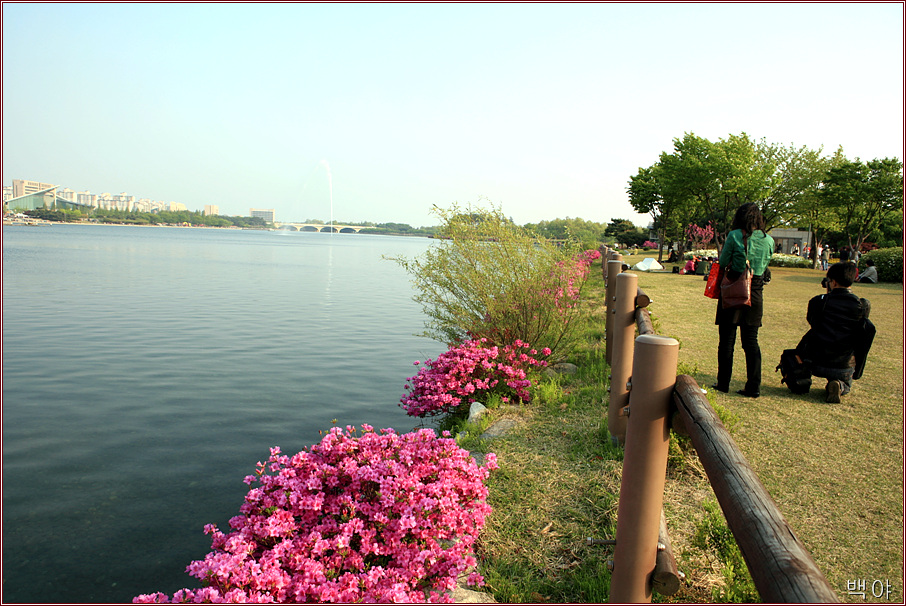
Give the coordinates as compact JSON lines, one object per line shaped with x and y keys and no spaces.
{"x":125,"y":217}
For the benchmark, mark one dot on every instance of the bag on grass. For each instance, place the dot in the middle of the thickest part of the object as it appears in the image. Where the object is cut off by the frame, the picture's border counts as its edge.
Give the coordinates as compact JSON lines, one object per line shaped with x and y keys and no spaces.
{"x":795,"y":374}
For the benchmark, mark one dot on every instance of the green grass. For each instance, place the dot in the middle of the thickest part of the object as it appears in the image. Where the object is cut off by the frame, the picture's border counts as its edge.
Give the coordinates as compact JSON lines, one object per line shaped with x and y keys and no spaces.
{"x":835,"y":470}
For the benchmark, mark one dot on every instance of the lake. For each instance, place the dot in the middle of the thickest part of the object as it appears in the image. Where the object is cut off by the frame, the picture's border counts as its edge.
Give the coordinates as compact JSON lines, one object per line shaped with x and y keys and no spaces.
{"x":147,"y":369}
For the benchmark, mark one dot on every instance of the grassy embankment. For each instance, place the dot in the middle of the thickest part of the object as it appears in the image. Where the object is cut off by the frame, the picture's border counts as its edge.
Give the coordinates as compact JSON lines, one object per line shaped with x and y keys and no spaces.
{"x":835,"y":470}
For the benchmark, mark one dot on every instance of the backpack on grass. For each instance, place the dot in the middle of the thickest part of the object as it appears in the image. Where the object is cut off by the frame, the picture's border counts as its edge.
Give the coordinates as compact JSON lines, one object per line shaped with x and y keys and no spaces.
{"x":795,"y":374}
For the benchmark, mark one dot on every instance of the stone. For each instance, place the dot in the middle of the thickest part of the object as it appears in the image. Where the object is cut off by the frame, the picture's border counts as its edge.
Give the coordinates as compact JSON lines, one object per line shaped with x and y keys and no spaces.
{"x":461,"y":595}
{"x":476,"y":410}
{"x":498,"y":428}
{"x":566,"y":368}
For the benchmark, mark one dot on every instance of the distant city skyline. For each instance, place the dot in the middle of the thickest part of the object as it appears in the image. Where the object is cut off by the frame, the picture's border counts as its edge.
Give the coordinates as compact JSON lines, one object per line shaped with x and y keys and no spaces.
{"x":127,"y":202}
{"x":380,"y":111}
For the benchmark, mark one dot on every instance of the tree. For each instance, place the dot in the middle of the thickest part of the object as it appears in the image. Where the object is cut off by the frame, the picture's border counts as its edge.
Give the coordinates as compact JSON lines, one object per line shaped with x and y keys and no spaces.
{"x":797,"y":195}
{"x":625,"y":232}
{"x":645,"y":197}
{"x":588,"y":233}
{"x":864,"y":194}
{"x":717,"y":177}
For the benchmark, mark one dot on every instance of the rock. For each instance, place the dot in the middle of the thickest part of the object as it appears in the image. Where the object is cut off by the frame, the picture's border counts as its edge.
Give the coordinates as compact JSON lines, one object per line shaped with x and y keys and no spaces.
{"x":498,"y":429}
{"x":565,"y":368}
{"x":560,"y":368}
{"x":461,"y":595}
{"x":476,"y":410}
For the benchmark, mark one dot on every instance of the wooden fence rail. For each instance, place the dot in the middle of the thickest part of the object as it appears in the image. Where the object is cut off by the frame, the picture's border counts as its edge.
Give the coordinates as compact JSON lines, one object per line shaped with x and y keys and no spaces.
{"x":782,"y":569}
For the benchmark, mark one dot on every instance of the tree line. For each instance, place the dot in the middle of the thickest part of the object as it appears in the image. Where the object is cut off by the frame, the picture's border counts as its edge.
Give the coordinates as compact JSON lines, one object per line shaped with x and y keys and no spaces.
{"x":841,"y":201}
{"x":166,"y":217}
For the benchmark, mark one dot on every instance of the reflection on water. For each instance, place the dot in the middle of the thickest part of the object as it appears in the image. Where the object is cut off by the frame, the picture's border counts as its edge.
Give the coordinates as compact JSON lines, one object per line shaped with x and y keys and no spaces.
{"x":147,"y":370}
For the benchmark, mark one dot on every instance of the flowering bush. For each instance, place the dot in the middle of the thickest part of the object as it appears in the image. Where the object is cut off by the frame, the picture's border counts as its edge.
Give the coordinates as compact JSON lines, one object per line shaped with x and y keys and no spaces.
{"x":484,"y":276}
{"x":381,"y":517}
{"x":649,"y":244}
{"x":699,"y":236}
{"x":468,"y":371}
{"x":701,"y":253}
{"x":588,"y":256}
{"x":782,"y":260}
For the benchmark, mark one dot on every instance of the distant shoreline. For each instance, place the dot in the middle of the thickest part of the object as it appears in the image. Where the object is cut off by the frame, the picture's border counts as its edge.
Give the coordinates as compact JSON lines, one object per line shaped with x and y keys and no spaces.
{"x":6,"y":222}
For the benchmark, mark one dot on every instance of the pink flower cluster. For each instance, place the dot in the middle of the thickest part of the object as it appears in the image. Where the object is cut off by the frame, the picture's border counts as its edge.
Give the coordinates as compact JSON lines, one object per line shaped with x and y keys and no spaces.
{"x":699,"y":236}
{"x":572,"y":277}
{"x":588,"y":256}
{"x":379,"y":517}
{"x":467,"y":372}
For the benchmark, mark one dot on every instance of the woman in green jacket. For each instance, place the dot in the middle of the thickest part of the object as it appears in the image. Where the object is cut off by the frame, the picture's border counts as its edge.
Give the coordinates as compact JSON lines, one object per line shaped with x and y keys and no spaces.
{"x":746,"y":241}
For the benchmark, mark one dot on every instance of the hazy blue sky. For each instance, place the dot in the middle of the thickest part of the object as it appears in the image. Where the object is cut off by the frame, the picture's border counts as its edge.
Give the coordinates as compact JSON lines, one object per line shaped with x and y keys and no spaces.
{"x":543,"y":109}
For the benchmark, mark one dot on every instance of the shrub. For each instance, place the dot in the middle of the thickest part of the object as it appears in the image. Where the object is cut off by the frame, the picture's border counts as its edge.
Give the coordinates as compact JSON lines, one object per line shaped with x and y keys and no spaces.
{"x":701,"y":253}
{"x":487,"y":277}
{"x":888,"y":261}
{"x":381,"y":517}
{"x":467,"y":372}
{"x":782,"y":260}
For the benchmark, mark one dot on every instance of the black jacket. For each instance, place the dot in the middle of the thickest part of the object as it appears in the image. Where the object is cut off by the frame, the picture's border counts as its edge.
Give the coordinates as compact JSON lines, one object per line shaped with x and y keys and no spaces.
{"x":839,"y":330}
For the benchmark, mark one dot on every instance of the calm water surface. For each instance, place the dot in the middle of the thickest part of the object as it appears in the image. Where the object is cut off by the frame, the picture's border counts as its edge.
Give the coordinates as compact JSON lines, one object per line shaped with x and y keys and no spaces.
{"x":147,"y":370}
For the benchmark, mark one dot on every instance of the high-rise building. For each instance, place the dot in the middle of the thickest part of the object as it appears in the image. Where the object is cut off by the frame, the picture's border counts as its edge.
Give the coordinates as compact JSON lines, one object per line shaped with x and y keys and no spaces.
{"x":22,"y":187}
{"x":211,"y":210}
{"x":265,"y":213}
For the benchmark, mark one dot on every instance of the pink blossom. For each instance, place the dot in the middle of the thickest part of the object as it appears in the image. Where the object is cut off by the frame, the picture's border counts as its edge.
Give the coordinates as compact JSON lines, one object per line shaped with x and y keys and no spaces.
{"x":363,"y":516}
{"x":470,"y":371}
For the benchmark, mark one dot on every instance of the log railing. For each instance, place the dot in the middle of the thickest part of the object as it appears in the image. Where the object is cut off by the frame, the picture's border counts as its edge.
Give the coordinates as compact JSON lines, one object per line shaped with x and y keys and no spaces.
{"x":647,"y":398}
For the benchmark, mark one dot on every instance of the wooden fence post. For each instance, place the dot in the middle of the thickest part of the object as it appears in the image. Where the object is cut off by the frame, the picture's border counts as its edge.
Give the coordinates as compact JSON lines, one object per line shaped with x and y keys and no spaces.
{"x":622,"y":315}
{"x":644,"y":468}
{"x":605,"y":257}
{"x":614,"y":268}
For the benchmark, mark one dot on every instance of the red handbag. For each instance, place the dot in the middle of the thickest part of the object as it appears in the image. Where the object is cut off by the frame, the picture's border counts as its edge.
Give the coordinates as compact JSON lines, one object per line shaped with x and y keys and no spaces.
{"x":712,"y":288}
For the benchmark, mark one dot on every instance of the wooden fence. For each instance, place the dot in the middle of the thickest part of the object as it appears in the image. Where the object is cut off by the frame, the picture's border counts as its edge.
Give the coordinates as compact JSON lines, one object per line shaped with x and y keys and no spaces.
{"x":647,"y":400}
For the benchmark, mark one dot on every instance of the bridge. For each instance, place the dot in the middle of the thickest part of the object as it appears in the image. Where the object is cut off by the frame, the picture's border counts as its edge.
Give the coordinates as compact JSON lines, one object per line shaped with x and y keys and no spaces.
{"x":321,"y":227}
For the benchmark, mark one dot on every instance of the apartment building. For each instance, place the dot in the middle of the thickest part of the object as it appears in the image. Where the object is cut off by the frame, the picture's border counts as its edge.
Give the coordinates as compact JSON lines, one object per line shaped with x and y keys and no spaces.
{"x":265,"y":213}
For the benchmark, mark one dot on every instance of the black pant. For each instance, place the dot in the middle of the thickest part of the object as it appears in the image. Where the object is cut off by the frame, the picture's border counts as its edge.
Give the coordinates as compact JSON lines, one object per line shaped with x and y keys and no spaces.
{"x":749,"y":337}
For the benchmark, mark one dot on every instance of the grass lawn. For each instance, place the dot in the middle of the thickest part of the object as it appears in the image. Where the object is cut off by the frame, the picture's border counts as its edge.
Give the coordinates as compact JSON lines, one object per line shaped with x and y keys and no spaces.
{"x":835,"y":470}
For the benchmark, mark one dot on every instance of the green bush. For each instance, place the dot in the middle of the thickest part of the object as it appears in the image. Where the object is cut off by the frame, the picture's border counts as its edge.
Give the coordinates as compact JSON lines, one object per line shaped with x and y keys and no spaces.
{"x":888,"y":261}
{"x":782,"y":260}
{"x":488,"y":277}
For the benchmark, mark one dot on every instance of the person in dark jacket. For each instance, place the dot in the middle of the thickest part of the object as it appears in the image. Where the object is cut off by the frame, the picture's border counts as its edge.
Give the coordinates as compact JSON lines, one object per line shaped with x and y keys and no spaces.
{"x":747,"y":243}
{"x":834,"y":347}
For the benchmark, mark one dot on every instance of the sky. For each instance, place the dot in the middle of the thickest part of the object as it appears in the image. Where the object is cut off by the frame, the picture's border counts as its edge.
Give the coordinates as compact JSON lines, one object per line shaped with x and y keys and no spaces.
{"x":380,"y":112}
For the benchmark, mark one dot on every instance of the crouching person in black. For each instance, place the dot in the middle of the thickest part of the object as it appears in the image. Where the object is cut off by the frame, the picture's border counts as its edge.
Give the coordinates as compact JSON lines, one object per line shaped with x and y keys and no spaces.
{"x":837,"y":344}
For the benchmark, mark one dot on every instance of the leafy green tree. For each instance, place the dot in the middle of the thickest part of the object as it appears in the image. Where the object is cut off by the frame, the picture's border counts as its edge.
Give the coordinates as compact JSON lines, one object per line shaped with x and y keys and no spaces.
{"x":646,"y":196}
{"x":625,"y":232}
{"x":797,"y":193}
{"x":864,"y":195}
{"x":716,"y":177}
{"x":588,"y":233}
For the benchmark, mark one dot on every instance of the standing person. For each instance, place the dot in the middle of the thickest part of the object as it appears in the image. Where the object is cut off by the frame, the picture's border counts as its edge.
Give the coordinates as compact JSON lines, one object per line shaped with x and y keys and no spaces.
{"x":825,"y":258}
{"x":746,"y":241}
